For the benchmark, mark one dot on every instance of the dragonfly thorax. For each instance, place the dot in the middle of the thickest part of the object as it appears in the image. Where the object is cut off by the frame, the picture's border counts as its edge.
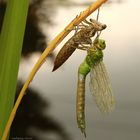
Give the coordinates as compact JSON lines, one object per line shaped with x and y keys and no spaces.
{"x":94,"y":57}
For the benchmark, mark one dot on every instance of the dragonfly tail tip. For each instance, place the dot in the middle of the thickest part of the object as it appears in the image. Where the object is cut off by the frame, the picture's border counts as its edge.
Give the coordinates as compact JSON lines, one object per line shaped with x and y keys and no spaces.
{"x":83,"y":132}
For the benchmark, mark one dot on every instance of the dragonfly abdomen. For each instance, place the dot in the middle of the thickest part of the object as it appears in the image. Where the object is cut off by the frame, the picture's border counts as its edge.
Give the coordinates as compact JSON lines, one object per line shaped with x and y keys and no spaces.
{"x":80,"y":107}
{"x":84,"y":69}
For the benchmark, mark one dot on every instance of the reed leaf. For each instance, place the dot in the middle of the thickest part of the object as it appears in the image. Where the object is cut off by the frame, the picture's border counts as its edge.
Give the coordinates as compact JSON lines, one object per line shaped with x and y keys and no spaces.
{"x":11,"y":39}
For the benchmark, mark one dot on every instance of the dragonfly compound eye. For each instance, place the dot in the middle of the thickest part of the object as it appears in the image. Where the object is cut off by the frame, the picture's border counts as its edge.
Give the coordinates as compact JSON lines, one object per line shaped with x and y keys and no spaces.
{"x":100,"y":44}
{"x":104,"y":26}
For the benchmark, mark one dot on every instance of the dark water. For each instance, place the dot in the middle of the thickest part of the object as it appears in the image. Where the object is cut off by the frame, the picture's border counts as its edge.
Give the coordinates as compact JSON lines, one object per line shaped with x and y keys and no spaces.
{"x":122,"y":59}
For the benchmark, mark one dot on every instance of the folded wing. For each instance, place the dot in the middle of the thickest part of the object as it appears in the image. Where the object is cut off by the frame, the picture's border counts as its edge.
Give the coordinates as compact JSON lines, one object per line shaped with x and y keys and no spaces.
{"x":101,"y":88}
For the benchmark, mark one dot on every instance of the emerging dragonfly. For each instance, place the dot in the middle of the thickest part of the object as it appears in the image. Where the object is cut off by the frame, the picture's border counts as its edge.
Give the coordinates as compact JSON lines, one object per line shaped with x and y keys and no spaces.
{"x":99,"y":82}
{"x":82,"y":37}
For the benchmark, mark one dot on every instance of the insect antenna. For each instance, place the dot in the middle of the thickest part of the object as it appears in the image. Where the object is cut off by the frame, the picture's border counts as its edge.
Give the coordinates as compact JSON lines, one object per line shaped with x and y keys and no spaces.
{"x":97,"y":18}
{"x":98,"y":13}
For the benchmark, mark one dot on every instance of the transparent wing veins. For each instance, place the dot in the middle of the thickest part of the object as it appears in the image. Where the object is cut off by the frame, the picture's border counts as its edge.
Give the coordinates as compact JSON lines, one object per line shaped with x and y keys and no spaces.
{"x":101,"y":89}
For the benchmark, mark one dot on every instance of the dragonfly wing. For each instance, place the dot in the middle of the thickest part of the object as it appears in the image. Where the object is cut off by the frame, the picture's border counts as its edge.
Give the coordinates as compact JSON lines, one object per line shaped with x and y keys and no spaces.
{"x":100,"y":87}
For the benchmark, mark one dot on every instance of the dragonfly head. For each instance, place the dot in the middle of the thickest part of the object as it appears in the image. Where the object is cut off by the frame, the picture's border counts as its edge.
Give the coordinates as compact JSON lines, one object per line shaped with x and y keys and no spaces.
{"x":104,"y":26}
{"x":100,"y":44}
{"x":97,"y":25}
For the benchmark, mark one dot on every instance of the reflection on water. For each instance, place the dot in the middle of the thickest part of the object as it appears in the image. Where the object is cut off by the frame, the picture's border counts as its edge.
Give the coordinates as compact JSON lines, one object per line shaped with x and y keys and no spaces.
{"x":31,"y":122}
{"x":122,"y":60}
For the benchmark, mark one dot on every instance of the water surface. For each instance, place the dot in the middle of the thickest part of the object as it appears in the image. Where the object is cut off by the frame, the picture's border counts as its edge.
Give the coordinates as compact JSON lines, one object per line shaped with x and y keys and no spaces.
{"x":122,"y":59}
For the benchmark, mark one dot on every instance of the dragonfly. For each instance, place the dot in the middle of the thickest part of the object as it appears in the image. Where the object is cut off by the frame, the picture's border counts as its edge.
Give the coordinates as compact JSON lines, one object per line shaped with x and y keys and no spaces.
{"x":100,"y":85}
{"x":82,"y":37}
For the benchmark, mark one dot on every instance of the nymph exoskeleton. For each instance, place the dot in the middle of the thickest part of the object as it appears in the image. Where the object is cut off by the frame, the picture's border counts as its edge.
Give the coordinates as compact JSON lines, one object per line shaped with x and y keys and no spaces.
{"x":81,"y":39}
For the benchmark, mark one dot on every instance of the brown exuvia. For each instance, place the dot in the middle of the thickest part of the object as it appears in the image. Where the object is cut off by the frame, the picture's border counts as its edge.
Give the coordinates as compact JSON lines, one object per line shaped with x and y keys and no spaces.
{"x":81,"y":39}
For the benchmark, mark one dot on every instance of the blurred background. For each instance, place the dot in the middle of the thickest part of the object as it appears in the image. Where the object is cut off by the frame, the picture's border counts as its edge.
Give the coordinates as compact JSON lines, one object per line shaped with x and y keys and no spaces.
{"x":48,"y":110}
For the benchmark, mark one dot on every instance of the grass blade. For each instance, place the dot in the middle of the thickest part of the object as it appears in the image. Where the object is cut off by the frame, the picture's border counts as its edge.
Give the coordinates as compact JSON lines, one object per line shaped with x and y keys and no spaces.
{"x":11,"y":39}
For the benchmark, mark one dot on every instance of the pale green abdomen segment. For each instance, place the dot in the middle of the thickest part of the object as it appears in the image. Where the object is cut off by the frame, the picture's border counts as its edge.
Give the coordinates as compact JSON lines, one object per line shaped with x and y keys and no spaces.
{"x":84,"y":68}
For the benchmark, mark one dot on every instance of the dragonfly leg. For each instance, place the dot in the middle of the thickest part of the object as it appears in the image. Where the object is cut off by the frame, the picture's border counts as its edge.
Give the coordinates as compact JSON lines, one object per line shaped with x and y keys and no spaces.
{"x":77,"y":47}
{"x":76,"y":28}
{"x":84,"y":25}
{"x":83,"y":47}
{"x":87,"y":22}
{"x":79,"y":27}
{"x":80,"y":48}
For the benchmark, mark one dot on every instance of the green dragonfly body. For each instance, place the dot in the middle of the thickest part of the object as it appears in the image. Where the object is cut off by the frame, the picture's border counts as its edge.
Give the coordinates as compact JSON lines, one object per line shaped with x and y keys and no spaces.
{"x":99,"y":82}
